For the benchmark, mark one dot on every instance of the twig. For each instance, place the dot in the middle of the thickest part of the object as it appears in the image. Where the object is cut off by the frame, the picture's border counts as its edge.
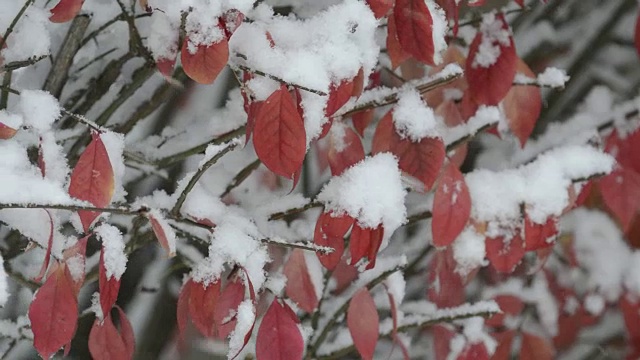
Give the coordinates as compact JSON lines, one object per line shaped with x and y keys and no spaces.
{"x":115,"y":210}
{"x":241,"y":176}
{"x":272,"y":77}
{"x":304,"y":245}
{"x":293,"y":211}
{"x":194,"y":179}
{"x":14,"y":22}
{"x":15,"y":65}
{"x":170,"y":160}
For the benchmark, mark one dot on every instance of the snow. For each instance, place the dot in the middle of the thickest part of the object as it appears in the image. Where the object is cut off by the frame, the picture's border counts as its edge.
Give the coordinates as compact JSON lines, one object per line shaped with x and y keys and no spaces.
{"x":11,"y":120}
{"x":202,"y":28}
{"x":4,"y":286}
{"x":115,"y":259}
{"x":493,"y":36}
{"x":337,"y":135}
{"x":96,"y":307}
{"x":30,"y":38}
{"x":55,"y":163}
{"x":438,"y":30}
{"x":469,"y":251}
{"x":553,"y":77}
{"x":632,"y":275}
{"x":245,"y":317}
{"x":396,"y":286}
{"x":484,"y":116}
{"x":370,"y":191}
{"x":413,"y":119}
{"x":39,"y":109}
{"x":114,"y":144}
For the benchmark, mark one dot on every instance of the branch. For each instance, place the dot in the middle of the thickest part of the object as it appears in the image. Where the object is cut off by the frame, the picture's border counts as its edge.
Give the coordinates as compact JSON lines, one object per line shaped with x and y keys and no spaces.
{"x":14,"y":22}
{"x":293,"y":211}
{"x":203,"y":168}
{"x":241,"y":176}
{"x":115,"y":210}
{"x":171,"y":159}
{"x":15,"y":65}
{"x":304,"y":245}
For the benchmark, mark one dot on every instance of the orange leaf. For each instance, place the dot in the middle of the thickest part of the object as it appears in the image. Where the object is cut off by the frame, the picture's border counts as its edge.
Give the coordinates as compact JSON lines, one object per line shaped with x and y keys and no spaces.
{"x":92,"y":179}
{"x":345,"y":149}
{"x":451,"y":206}
{"x":299,"y":287}
{"x":365,"y":242}
{"x":489,"y":84}
{"x":279,"y":134}
{"x":505,"y":255}
{"x":279,"y":337}
{"x":65,"y":10}
{"x":364,"y":323}
{"x":54,"y":313}
{"x":6,"y":132}
{"x":414,"y":27}
{"x":204,"y":65}
{"x":330,"y":232}
{"x":522,"y":106}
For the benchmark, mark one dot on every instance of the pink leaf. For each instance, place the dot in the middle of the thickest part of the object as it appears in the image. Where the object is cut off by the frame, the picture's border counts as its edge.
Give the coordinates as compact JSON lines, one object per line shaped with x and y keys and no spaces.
{"x":65,"y":10}
{"x":344,"y":152}
{"x":363,"y":323}
{"x":505,"y":255}
{"x":279,"y":337}
{"x":380,"y":8}
{"x":451,"y":207}
{"x":522,"y":106}
{"x":414,"y":27}
{"x":365,"y":242}
{"x":109,"y":287}
{"x":299,"y":287}
{"x":204,"y":65}
{"x":330,"y":232}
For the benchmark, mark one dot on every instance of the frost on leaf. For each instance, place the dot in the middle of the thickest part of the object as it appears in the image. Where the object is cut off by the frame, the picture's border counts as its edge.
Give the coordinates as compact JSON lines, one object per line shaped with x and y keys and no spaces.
{"x":300,"y":287}
{"x":505,"y":253}
{"x":65,"y":10}
{"x":205,"y":63}
{"x":92,"y":179}
{"x":279,"y":336}
{"x":492,"y":62}
{"x":363,"y":323}
{"x":330,"y":231}
{"x":54,"y":312}
{"x":279,"y":135}
{"x":451,"y":206}
{"x":109,"y":287}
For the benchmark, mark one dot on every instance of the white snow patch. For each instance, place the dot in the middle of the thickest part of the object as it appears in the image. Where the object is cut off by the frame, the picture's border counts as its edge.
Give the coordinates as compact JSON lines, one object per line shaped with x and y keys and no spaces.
{"x":115,"y":259}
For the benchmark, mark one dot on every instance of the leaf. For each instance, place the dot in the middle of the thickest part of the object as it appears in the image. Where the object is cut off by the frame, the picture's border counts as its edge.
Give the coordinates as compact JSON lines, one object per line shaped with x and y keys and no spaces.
{"x":299,"y":287}
{"x":65,"y":10}
{"x":206,"y":62}
{"x":442,"y":336}
{"x":414,"y":28}
{"x":363,"y":323}
{"x":47,"y":255}
{"x":279,"y":134}
{"x":166,"y":66}
{"x":445,"y":286}
{"x":53,"y":313}
{"x":361,"y":120}
{"x":92,"y":179}
{"x":452,"y":10}
{"x":108,"y":287}
{"x":535,"y":348}
{"x":621,"y":193}
{"x":224,"y":314}
{"x":422,"y":160}
{"x":6,"y":132}
{"x":522,"y":105}
{"x":536,"y":236}
{"x":451,"y":206}
{"x":380,"y":8}
{"x":396,"y":54}
{"x":475,"y":351}
{"x":202,"y":306}
{"x":182,"y":307}
{"x":338,"y":96}
{"x":365,"y":242}
{"x":330,"y":232}
{"x":163,"y":231}
{"x":489,"y":84}
{"x":505,"y":341}
{"x":106,"y":343}
{"x":631,"y":314}
{"x":75,"y":257}
{"x":279,"y":337}
{"x":394,"y":330}
{"x":505,"y":254}
{"x":345,"y":151}
{"x":510,"y":305}
{"x":252,"y":296}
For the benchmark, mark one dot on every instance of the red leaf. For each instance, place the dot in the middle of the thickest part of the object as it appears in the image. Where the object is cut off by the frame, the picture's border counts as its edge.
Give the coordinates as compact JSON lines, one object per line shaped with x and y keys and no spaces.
{"x":230,"y":298}
{"x":47,"y":255}
{"x":394,"y":329}
{"x":396,"y":54}
{"x":126,"y":332}
{"x":535,"y":348}
{"x":166,"y":66}
{"x":380,"y":8}
{"x":106,"y":343}
{"x":279,"y":337}
{"x":330,"y":232}
{"x":361,"y":120}
{"x":520,"y":2}
{"x":631,"y":313}
{"x":53,"y":313}
{"x":442,"y":336}
{"x":6,"y":132}
{"x":509,"y":305}
{"x":522,"y":105}
{"x":182,"y":308}
{"x":621,"y":193}
{"x":65,"y":10}
{"x":505,"y":255}
{"x":358,"y":84}
{"x":163,"y":232}
{"x":446,"y":288}
{"x":338,"y":96}
{"x":204,"y":65}
{"x":505,"y":341}
{"x":108,"y":287}
{"x":279,"y":134}
{"x":451,"y":8}
{"x":202,"y":307}
{"x":476,"y":351}
{"x":414,"y":27}
{"x":536,"y":235}
{"x":363,"y":323}
{"x":365,"y":242}
{"x":92,"y":179}
{"x":299,"y":287}
{"x":421,"y":160}
{"x":77,"y":252}
{"x":344,"y":151}
{"x":451,"y":207}
{"x":489,"y":83}
{"x":637,"y":35}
